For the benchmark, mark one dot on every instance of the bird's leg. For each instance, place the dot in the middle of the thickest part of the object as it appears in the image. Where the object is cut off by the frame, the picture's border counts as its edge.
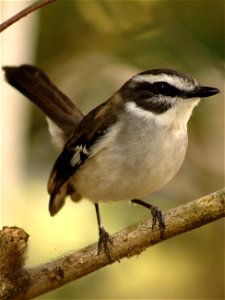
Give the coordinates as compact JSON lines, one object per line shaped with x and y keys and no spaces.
{"x":156,"y":214}
{"x":104,"y":236}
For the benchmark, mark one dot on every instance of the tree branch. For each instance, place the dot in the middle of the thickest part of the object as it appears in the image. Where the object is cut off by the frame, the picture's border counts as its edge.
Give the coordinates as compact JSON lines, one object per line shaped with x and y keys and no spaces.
{"x":24,"y":12}
{"x":128,"y":242}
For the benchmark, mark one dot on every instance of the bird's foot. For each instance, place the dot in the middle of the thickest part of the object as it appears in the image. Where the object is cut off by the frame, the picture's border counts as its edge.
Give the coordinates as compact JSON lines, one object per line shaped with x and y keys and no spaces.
{"x":104,"y":239}
{"x":157,"y":216}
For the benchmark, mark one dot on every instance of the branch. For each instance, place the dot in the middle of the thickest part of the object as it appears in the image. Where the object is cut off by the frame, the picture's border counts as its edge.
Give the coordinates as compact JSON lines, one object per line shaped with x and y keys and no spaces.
{"x":128,"y":242}
{"x":24,"y":12}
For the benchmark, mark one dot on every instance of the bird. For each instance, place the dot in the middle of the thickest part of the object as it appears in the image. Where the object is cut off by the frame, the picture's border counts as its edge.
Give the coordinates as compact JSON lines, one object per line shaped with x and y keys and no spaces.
{"x":127,"y":147}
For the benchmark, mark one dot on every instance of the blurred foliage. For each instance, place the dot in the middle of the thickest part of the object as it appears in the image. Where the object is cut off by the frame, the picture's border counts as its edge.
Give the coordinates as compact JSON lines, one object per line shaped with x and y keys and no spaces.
{"x":152,"y":28}
{"x":89,"y":48}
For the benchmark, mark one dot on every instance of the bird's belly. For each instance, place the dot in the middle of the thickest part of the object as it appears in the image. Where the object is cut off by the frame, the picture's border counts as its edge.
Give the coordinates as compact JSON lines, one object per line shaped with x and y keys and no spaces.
{"x":115,"y":175}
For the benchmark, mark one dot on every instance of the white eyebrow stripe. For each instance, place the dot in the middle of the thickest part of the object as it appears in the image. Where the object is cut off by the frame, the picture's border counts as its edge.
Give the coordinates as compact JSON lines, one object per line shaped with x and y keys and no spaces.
{"x":178,"y":82}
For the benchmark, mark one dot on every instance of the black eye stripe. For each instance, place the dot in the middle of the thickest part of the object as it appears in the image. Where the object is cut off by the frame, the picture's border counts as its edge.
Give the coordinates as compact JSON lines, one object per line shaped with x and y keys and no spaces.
{"x":155,"y":107}
{"x":148,"y":95}
{"x":157,"y":88}
{"x":141,"y":92}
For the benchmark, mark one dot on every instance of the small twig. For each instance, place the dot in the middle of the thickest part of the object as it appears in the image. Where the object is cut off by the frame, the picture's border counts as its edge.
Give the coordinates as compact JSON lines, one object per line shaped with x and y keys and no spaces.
{"x":128,"y":242}
{"x":24,"y":12}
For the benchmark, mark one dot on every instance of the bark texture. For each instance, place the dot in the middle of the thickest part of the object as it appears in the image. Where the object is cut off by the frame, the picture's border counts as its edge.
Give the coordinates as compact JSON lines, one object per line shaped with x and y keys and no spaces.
{"x":17,"y":282}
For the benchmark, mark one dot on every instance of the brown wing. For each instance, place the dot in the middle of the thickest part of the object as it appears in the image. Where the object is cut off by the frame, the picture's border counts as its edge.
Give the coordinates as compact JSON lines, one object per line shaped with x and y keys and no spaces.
{"x":76,"y":151}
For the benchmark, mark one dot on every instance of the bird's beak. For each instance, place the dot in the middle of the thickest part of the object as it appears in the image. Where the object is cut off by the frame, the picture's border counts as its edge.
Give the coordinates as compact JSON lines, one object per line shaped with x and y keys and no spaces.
{"x":202,"y":92}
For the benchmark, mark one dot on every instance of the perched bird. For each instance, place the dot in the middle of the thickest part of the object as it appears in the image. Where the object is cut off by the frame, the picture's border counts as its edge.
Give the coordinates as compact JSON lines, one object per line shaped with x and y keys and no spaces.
{"x":127,"y":147}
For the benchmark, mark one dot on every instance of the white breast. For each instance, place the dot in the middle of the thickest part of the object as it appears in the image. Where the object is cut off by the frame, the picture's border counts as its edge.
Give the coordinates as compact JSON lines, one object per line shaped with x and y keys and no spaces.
{"x":134,"y":159}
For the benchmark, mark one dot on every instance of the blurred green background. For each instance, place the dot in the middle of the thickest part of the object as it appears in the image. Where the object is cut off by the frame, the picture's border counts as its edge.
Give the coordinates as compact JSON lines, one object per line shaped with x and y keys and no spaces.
{"x":89,"y":48}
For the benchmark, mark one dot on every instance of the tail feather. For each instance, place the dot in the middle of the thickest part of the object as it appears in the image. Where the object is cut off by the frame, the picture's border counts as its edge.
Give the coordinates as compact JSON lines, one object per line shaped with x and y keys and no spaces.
{"x":62,"y":116}
{"x":38,"y":88}
{"x":57,"y":200}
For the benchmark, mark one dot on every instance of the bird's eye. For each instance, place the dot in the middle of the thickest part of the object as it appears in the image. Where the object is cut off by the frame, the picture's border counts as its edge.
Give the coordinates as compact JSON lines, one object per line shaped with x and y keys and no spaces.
{"x":165,"y":88}
{"x":161,"y":87}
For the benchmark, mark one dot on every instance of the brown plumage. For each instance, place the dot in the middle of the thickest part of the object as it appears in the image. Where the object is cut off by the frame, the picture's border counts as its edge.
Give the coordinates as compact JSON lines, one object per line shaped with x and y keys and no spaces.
{"x":39,"y":89}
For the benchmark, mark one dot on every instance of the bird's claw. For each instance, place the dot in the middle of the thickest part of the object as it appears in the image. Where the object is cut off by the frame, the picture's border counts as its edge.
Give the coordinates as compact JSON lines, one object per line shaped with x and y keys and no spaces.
{"x":157,"y":216}
{"x":104,"y":239}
